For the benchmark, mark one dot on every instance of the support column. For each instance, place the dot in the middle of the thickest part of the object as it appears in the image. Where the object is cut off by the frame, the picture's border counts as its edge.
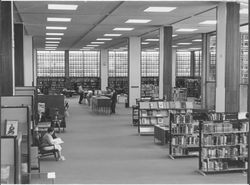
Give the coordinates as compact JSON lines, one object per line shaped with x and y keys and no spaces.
{"x":204,"y":71}
{"x":28,"y":61}
{"x":228,"y":52}
{"x":7,"y":77}
{"x":165,"y":83}
{"x":66,"y":63}
{"x":134,"y":59}
{"x":192,"y":64}
{"x":173,"y":66}
{"x":104,"y":69}
{"x":19,"y":50}
{"x":35,"y":65}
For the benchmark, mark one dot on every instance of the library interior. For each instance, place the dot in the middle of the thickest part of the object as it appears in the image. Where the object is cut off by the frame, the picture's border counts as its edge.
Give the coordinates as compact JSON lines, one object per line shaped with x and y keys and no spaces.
{"x":124,"y":92}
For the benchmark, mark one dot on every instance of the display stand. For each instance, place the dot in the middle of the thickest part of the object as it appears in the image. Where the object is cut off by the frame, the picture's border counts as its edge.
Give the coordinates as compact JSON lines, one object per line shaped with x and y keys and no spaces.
{"x":161,"y":134}
{"x":150,"y":114}
{"x":223,"y":144}
{"x":135,"y":115}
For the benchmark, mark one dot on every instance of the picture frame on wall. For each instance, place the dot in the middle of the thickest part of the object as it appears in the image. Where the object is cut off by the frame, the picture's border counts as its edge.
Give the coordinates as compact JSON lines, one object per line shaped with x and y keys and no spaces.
{"x":11,"y":127}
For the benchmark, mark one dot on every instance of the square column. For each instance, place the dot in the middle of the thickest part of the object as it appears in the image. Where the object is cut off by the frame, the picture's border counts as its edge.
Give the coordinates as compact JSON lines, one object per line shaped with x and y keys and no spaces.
{"x":228,"y":55}
{"x":165,"y":82}
{"x":104,"y":69}
{"x":134,"y":59}
{"x":28,"y":61}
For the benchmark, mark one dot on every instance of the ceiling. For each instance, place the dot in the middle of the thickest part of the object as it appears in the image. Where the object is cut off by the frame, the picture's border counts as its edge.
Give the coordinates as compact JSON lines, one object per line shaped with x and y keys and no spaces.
{"x":93,"y":19}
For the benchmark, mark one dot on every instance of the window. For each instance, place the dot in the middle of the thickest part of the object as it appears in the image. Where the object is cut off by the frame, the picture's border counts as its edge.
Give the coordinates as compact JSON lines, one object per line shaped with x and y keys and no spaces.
{"x":197,"y":63}
{"x":212,"y":58}
{"x":150,"y":64}
{"x":118,"y":64}
{"x":183,"y":63}
{"x":50,"y":64}
{"x":244,"y":59}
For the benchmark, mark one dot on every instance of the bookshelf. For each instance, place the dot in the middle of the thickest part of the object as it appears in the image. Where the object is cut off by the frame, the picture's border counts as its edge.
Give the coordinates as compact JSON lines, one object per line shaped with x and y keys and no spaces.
{"x":223,"y":144}
{"x":91,"y":83}
{"x":120,"y":83}
{"x":51,"y":84}
{"x":150,"y":87}
{"x":192,"y":84}
{"x":184,"y":134}
{"x":135,"y":115}
{"x":152,"y":113}
{"x":179,"y":94}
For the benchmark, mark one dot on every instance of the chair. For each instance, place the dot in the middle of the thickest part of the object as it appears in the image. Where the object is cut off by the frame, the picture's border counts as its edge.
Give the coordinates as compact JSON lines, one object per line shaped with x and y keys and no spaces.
{"x":42,"y":152}
{"x":34,"y":158}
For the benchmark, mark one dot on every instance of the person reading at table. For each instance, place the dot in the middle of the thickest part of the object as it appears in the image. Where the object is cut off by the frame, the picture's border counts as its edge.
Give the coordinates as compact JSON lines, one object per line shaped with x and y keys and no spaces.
{"x":48,"y":143}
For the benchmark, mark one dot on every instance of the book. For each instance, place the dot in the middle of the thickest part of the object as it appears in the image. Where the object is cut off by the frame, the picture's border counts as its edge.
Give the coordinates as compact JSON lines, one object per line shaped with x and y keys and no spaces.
{"x":11,"y":127}
{"x":160,"y":105}
{"x":58,"y":141}
{"x":160,"y":121}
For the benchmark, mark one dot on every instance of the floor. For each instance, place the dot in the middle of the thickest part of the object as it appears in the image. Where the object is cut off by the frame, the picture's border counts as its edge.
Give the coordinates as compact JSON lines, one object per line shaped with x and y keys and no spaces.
{"x":106,"y":149}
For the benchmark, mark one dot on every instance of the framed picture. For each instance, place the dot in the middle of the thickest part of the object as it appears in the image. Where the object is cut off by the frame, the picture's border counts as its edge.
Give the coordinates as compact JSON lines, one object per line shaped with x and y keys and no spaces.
{"x":11,"y":127}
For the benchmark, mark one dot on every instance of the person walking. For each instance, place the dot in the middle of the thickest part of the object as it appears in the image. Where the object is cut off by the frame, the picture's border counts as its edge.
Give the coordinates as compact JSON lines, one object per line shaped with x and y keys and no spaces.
{"x":113,"y":101}
{"x":81,"y":93}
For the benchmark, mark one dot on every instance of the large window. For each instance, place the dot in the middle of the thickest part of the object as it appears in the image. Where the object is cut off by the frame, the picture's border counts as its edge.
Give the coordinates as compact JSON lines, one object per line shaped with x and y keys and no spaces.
{"x":212,"y":58}
{"x":118,"y":63}
{"x":50,"y":64}
{"x":244,"y":59}
{"x":84,"y":63}
{"x":197,"y":63}
{"x":183,"y":63}
{"x":150,"y":64}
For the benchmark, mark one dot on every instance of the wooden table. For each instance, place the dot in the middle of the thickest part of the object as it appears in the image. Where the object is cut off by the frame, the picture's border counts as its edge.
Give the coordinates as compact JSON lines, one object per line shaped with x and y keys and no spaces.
{"x":161,"y":133}
{"x":101,"y":104}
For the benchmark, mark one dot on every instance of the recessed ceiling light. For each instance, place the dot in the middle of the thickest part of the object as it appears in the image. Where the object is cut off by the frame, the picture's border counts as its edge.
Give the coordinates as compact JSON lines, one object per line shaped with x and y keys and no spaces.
{"x":104,"y":39}
{"x":174,"y":46}
{"x":62,"y":7}
{"x":50,"y":47}
{"x":186,"y":29}
{"x":197,"y":40}
{"x":57,"y":19}
{"x":123,"y":29}
{"x":184,"y":43}
{"x":85,"y":49}
{"x":52,"y":42}
{"x":138,"y":21}
{"x":92,"y":45}
{"x":174,"y":35}
{"x":56,"y":28}
{"x":211,"y":22}
{"x":97,"y":42}
{"x":144,"y":43}
{"x":244,"y":11}
{"x":182,"y":50}
{"x":112,"y":35}
{"x":60,"y":34}
{"x":53,"y":38}
{"x":159,"y":9}
{"x":152,"y":40}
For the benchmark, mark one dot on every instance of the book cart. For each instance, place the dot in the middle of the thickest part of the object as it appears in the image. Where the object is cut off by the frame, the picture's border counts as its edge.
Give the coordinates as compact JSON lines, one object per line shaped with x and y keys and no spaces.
{"x":152,"y":113}
{"x":223,"y":144}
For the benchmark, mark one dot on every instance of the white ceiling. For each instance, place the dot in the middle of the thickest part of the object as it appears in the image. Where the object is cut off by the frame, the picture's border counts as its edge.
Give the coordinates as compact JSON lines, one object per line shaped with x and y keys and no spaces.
{"x":93,"y":19}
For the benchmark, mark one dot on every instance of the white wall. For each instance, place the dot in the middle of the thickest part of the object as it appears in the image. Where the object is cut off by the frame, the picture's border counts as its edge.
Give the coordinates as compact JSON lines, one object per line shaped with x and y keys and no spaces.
{"x":28,"y":60}
{"x":134,"y":69}
{"x":104,"y":69}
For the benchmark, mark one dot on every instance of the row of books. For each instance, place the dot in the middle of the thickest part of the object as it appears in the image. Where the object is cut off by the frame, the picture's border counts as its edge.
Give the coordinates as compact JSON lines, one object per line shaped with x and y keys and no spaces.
{"x":160,"y":113}
{"x":226,"y":152}
{"x":183,"y":118}
{"x":166,"y":105}
{"x":231,"y":139}
{"x":183,"y":140}
{"x":219,"y":165}
{"x":154,"y":121}
{"x":185,"y":129}
{"x":226,"y":126}
{"x":226,"y":116}
{"x":180,"y":151}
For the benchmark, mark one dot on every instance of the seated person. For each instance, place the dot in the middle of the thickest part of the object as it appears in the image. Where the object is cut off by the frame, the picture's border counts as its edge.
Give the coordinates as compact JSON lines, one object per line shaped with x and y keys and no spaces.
{"x":48,"y":143}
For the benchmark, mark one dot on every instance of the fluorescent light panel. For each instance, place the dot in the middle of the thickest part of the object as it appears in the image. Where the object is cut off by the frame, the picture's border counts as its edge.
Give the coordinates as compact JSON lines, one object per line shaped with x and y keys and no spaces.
{"x":62,"y":7}
{"x":87,"y":47}
{"x":112,"y":35}
{"x":209,"y":22}
{"x":184,"y":43}
{"x":60,"y":34}
{"x":56,"y":28}
{"x":138,"y":21}
{"x":52,"y":42}
{"x":144,"y":43}
{"x":97,"y":42}
{"x":194,"y":48}
{"x":159,"y":9}
{"x":152,"y":40}
{"x":123,"y":29}
{"x":58,"y":19}
{"x":104,"y":39}
{"x":187,"y":29}
{"x":53,"y":38}
{"x":92,"y":45}
{"x":174,"y":46}
{"x":197,"y":40}
{"x":174,"y":35}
